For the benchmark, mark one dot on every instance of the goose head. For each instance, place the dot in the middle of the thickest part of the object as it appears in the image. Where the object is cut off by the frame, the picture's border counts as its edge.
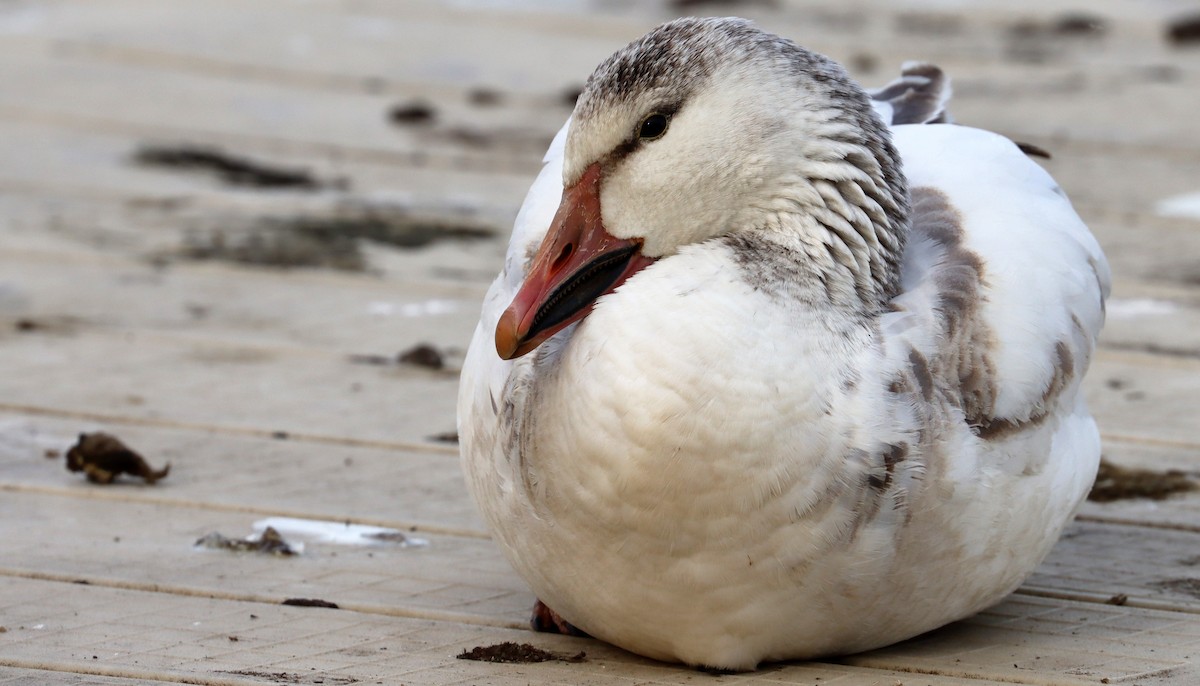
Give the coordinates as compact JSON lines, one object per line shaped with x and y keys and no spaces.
{"x":707,"y":129}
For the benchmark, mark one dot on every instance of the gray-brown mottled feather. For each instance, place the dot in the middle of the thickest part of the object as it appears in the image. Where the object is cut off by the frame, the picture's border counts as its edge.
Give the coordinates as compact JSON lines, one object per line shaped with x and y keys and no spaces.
{"x":919,"y":96}
{"x":678,"y":58}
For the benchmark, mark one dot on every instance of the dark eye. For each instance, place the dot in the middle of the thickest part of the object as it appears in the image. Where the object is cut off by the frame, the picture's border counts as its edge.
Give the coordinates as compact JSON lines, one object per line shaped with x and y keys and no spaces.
{"x":652,"y":127}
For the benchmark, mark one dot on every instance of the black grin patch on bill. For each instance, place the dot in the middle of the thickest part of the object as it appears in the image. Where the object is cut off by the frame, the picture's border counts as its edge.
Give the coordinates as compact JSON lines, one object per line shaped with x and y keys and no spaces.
{"x":582,"y":289}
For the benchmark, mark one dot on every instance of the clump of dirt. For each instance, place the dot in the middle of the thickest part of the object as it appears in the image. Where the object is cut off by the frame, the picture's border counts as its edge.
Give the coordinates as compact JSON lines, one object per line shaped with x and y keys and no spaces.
{"x":230,"y":169}
{"x":47,"y":325}
{"x":1032,"y":150}
{"x":513,"y":139}
{"x":1122,"y":483}
{"x":1186,"y":586}
{"x":277,"y":246}
{"x":422,"y":355}
{"x":269,"y":542}
{"x":370,"y":359}
{"x":863,"y":62}
{"x":103,"y":457}
{"x":1184,"y":30}
{"x":289,"y":678}
{"x":484,"y":97}
{"x":390,"y":536}
{"x":310,"y":602}
{"x":330,"y":239}
{"x":1079,"y":24}
{"x":409,"y":113}
{"x":516,"y":653}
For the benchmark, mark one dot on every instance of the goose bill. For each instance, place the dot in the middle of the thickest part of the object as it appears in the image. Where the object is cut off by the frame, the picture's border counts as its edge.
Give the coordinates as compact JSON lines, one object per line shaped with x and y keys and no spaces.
{"x":577,"y":262}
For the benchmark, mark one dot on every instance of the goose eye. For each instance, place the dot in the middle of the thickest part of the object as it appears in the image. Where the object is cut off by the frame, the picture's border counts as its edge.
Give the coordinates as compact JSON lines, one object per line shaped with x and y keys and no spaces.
{"x":653,"y":127}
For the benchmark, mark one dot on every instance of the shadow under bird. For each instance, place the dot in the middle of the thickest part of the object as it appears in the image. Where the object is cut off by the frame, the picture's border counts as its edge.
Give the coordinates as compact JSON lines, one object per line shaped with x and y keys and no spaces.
{"x":778,"y":367}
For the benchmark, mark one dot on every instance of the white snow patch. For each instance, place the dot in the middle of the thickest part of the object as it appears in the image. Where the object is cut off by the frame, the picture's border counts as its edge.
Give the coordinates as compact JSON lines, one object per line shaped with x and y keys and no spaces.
{"x":1186,"y":206}
{"x":1139,"y":307}
{"x":426,"y":308}
{"x":339,"y":533}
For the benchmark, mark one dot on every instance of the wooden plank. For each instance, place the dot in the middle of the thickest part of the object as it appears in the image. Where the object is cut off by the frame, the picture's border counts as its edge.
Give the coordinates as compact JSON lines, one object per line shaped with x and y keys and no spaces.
{"x":253,"y":475}
{"x":166,"y":636}
{"x":1164,"y":410}
{"x":184,"y":639}
{"x":149,"y":546}
{"x":1094,"y":562}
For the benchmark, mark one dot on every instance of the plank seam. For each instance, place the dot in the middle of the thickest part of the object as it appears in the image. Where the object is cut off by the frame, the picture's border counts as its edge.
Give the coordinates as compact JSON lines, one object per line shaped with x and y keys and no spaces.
{"x":224,"y":429}
{"x":189,"y":592}
{"x":122,"y":673}
{"x":121,"y":497}
{"x":1099,"y":599}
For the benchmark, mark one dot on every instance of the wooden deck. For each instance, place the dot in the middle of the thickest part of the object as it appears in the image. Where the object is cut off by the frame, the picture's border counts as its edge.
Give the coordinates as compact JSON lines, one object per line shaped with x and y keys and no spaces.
{"x":273,"y":391}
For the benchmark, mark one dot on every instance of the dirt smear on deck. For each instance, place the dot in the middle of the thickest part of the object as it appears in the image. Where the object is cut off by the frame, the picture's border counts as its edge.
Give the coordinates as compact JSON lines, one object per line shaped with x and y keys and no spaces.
{"x":1123,"y":483}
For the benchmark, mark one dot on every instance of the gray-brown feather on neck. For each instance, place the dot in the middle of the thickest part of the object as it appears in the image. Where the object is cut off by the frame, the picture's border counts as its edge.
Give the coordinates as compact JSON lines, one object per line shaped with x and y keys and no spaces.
{"x":674,"y":61}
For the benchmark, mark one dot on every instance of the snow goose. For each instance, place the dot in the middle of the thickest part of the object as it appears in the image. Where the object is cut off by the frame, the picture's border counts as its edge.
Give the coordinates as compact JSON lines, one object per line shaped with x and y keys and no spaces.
{"x":766,"y":378}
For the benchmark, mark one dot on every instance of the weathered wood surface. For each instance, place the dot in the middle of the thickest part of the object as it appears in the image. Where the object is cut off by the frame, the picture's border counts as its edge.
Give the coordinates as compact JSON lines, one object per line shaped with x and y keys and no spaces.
{"x":252,"y":382}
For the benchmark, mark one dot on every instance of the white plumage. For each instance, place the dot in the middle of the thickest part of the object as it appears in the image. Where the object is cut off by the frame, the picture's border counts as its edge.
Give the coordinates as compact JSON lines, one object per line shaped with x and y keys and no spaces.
{"x":811,"y":420}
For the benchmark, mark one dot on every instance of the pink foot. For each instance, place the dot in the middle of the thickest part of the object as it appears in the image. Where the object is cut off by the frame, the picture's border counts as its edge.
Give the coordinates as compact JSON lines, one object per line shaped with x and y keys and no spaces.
{"x":546,"y":620}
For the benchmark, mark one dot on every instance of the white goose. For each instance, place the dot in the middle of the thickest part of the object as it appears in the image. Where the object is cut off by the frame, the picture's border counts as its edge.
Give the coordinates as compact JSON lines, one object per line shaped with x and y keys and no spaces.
{"x":779,"y":381}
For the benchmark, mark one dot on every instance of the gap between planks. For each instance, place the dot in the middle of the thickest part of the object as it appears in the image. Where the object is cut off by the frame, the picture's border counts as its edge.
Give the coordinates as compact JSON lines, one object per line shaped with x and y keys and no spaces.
{"x":411,"y":446}
{"x":190,"y":592}
{"x":224,"y":429}
{"x":141,"y":499}
{"x":85,"y":669}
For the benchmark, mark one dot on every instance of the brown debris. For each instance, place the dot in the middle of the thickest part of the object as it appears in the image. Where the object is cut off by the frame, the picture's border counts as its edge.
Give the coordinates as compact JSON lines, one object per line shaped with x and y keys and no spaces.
{"x":1184,"y":30}
{"x":310,"y":602}
{"x":46,"y":325}
{"x":863,"y":62}
{"x":422,"y":355}
{"x":1079,"y":24}
{"x":508,"y":652}
{"x":329,"y":238}
{"x":509,"y":138}
{"x":1122,"y":483}
{"x":1118,"y":599}
{"x":390,"y":536}
{"x":1186,"y":586}
{"x":1032,"y":150}
{"x":447,"y":437}
{"x":228,"y":168}
{"x":103,"y":457}
{"x":269,"y":542}
{"x":289,"y":678}
{"x":484,"y":97}
{"x":370,"y":359}
{"x":407,"y":114}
